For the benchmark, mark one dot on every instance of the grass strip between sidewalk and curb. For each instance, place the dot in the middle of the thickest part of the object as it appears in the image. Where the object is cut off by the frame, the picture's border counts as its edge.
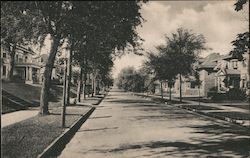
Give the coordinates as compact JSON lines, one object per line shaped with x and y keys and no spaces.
{"x":55,"y":148}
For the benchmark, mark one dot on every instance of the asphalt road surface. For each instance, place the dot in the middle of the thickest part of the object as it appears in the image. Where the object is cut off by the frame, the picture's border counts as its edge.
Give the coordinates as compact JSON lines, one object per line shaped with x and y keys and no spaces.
{"x":127,"y":126}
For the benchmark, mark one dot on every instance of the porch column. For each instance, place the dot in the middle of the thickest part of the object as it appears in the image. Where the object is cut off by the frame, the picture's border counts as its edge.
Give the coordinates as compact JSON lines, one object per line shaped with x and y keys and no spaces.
{"x":27,"y":74}
{"x":30,"y":73}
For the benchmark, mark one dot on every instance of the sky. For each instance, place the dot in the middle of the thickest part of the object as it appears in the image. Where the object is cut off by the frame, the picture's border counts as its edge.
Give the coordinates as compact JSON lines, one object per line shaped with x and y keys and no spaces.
{"x":216,"y":20}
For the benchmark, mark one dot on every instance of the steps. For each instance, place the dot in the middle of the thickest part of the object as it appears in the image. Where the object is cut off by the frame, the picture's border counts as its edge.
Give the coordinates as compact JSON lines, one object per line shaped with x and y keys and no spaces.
{"x":12,"y":103}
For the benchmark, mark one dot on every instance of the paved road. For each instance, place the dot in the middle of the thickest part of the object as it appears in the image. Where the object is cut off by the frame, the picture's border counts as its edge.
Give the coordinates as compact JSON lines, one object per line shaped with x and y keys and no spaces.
{"x":126,"y":126}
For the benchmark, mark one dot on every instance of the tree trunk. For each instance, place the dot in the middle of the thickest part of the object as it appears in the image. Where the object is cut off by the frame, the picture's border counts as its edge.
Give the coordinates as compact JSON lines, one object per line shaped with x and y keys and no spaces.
{"x":170,"y":91}
{"x":161,"y":91}
{"x":68,"y":79}
{"x":89,"y":83}
{"x":93,"y":85}
{"x":180,"y":89}
{"x":84,"y":85}
{"x":98,"y":87}
{"x":199,"y":95}
{"x":64,"y":102}
{"x":79,"y":87}
{"x":12,"y":61}
{"x":44,"y":99}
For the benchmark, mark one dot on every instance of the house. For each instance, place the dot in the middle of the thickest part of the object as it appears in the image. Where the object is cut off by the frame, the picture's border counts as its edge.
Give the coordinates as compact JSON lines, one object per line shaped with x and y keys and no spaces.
{"x":57,"y":71}
{"x":26,"y":67}
{"x":232,"y":73}
{"x":207,"y":73}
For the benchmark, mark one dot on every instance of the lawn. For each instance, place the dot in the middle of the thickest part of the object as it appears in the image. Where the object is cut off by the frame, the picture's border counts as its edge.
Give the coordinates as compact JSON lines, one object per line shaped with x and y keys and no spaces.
{"x":158,"y":99}
{"x":30,"y":137}
{"x":246,"y":107}
{"x":199,"y":107}
{"x":206,"y":100}
{"x":233,"y":115}
{"x":31,"y":93}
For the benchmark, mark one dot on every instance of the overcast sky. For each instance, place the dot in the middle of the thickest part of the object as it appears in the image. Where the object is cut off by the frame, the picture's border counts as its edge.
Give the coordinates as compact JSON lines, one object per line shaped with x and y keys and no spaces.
{"x":216,"y":20}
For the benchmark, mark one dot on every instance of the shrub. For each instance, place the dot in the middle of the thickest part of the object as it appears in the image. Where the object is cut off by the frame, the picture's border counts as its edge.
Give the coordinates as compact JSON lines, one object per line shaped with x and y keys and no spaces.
{"x":236,"y":94}
{"x":218,"y":96}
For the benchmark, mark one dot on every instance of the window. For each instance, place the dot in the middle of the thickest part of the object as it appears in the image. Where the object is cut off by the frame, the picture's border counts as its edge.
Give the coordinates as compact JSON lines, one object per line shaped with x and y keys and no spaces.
{"x":192,"y":85}
{"x":243,"y":83}
{"x":4,"y":54}
{"x":4,"y":70}
{"x":26,"y":59}
{"x":235,"y":64}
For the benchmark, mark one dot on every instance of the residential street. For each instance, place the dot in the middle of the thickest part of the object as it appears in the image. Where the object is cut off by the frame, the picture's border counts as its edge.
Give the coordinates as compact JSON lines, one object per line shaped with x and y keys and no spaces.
{"x":128,"y":126}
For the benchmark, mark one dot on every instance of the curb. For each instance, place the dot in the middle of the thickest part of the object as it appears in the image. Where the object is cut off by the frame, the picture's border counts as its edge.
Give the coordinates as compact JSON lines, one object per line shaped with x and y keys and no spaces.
{"x":224,"y":118}
{"x":55,"y":148}
{"x":227,"y":119}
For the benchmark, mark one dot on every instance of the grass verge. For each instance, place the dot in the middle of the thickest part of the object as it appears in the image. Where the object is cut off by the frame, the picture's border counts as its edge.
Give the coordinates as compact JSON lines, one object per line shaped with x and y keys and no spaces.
{"x":30,"y":137}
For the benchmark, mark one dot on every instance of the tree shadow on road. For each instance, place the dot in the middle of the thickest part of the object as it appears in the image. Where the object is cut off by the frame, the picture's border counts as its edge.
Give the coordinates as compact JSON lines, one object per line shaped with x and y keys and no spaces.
{"x":129,"y":101}
{"x":233,"y":147}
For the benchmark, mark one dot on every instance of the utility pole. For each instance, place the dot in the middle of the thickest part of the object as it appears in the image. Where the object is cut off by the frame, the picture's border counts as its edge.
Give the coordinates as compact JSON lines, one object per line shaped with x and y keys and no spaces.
{"x":64,"y":94}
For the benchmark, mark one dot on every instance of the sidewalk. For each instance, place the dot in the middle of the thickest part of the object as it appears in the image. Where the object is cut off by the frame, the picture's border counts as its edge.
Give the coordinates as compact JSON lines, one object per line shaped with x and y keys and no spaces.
{"x":18,"y":116}
{"x":222,"y":111}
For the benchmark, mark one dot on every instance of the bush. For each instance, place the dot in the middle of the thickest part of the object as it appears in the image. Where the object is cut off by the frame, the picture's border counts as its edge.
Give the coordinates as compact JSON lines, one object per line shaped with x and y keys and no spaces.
{"x":213,"y":89}
{"x":232,"y":94}
{"x":236,"y":94}
{"x":218,"y":96}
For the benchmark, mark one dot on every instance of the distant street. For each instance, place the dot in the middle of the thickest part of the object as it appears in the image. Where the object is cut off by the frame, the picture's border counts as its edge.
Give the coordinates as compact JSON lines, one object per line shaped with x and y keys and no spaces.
{"x":128,"y":126}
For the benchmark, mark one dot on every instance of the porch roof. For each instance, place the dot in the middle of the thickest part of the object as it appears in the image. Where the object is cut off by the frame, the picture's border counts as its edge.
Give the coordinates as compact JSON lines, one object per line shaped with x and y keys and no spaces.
{"x":228,"y":72}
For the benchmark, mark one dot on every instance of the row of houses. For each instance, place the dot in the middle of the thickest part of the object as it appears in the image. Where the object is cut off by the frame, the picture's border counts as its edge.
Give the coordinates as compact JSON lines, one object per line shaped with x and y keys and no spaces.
{"x":216,"y":72}
{"x":29,"y":67}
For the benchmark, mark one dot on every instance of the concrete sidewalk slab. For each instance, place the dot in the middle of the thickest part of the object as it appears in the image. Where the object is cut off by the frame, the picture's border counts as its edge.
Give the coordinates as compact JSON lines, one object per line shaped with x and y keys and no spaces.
{"x":18,"y":116}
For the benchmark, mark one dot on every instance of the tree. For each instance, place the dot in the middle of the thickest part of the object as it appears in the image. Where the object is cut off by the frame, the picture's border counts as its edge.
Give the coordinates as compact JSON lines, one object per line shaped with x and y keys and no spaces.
{"x":239,"y":4}
{"x":241,"y":43}
{"x":112,"y":27}
{"x":13,"y":30}
{"x":184,"y":48}
{"x":197,"y":81}
{"x":54,"y":18}
{"x":131,"y":80}
{"x":163,"y":66}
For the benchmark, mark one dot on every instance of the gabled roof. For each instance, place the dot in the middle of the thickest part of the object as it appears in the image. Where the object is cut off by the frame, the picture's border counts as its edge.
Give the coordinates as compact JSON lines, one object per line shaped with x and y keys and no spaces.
{"x":210,"y":61}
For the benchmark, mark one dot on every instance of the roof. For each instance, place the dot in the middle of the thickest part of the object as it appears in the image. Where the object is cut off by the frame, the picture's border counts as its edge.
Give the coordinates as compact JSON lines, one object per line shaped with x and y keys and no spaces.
{"x":232,"y":72}
{"x":210,"y":61}
{"x":25,"y":49}
{"x":229,"y":72}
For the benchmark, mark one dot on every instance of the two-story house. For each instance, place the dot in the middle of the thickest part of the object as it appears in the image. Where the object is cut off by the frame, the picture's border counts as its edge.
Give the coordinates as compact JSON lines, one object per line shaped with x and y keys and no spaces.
{"x":26,"y":66}
{"x":232,"y":73}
